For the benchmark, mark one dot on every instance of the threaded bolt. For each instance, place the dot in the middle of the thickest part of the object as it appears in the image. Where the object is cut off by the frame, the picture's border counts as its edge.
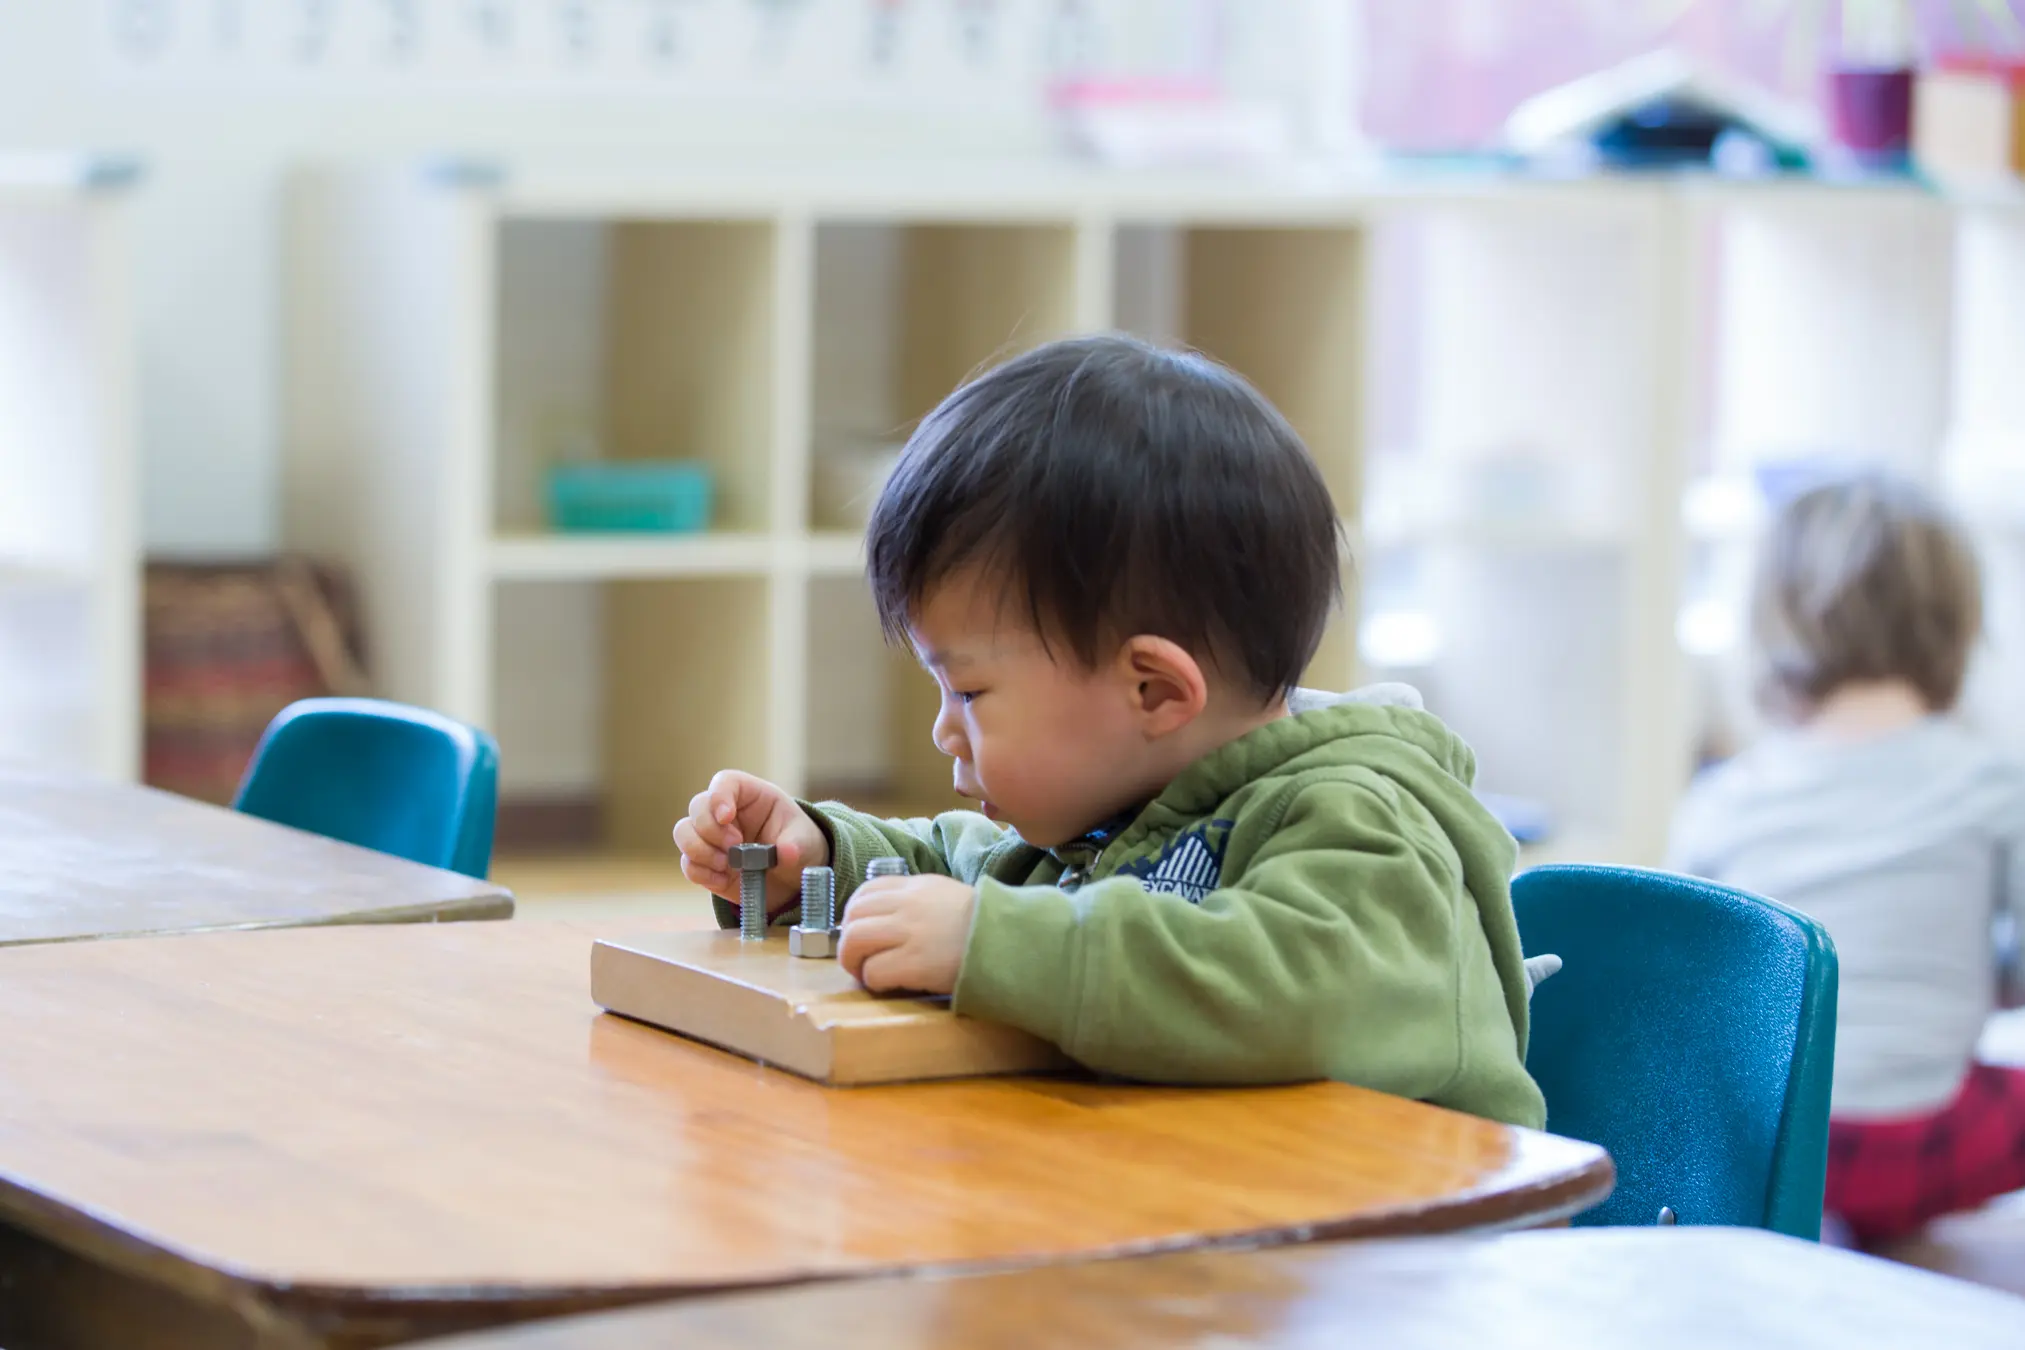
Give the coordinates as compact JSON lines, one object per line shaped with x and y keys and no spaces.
{"x":819,"y":898}
{"x":815,"y":936}
{"x":886,"y":867}
{"x":753,"y":861}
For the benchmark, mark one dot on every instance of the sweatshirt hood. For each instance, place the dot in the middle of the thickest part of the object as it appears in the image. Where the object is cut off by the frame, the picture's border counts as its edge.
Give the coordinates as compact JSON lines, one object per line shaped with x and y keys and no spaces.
{"x":1383,"y":728}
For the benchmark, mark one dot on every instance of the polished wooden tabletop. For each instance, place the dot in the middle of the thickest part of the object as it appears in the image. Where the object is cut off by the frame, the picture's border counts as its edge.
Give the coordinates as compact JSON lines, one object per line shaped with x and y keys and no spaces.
{"x":84,"y":858}
{"x":1594,"y":1288}
{"x":386,"y":1132}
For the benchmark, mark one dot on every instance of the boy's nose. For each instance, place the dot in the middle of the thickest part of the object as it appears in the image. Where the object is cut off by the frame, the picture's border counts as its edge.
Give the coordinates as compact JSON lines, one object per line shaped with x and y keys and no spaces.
{"x":947,"y":733}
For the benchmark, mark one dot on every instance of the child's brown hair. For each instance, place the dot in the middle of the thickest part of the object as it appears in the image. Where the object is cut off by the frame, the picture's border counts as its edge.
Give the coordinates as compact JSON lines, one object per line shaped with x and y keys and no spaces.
{"x":1865,"y":579}
{"x":1119,"y":488}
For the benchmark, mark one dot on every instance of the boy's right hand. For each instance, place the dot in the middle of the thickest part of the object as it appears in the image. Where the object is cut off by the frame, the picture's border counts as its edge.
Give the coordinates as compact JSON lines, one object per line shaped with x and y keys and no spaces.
{"x":739,"y":809}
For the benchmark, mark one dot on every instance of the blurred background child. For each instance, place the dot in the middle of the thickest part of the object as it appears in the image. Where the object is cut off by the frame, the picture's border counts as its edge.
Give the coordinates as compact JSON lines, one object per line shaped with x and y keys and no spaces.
{"x":1873,"y":809}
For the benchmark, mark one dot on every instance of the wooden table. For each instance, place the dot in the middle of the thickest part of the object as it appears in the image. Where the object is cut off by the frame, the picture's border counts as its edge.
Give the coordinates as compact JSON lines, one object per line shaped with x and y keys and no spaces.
{"x":1635,"y":1288}
{"x":358,"y":1135}
{"x":80,"y":858}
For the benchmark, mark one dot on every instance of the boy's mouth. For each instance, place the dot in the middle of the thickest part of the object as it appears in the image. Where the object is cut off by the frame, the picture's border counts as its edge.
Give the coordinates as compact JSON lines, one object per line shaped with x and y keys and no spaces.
{"x":984,"y":806}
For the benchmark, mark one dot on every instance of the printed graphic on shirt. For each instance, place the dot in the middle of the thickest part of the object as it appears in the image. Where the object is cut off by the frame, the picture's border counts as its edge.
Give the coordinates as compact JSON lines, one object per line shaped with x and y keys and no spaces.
{"x":1190,"y":867}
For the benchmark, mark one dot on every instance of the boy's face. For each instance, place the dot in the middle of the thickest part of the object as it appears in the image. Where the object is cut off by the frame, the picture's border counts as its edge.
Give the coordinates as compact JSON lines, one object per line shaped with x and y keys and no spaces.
{"x":1040,"y":743}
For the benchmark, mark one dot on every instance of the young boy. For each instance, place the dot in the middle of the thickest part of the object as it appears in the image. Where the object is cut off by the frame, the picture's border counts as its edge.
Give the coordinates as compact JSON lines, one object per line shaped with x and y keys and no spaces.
{"x":1898,"y":829}
{"x":1116,"y":561}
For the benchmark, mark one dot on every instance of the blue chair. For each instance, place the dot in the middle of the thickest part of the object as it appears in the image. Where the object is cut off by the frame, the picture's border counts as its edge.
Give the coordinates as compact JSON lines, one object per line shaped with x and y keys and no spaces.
{"x":1691,"y":1032}
{"x":384,"y":776}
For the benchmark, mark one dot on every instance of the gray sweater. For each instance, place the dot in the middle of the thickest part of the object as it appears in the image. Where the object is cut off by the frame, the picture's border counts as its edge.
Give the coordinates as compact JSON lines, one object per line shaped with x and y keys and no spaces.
{"x":1905,"y":848}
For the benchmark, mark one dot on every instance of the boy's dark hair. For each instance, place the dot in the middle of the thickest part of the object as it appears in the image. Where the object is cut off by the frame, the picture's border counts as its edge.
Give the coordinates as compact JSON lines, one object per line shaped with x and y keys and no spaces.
{"x":1867,"y":578}
{"x":1118,"y":488}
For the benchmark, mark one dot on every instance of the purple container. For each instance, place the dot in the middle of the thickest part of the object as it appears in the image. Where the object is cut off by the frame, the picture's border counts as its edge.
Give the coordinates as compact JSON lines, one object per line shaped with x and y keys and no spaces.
{"x":1873,"y":110}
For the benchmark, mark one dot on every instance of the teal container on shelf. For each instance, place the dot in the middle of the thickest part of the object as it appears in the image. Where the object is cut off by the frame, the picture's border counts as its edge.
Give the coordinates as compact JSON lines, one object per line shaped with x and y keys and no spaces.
{"x":660,"y":496}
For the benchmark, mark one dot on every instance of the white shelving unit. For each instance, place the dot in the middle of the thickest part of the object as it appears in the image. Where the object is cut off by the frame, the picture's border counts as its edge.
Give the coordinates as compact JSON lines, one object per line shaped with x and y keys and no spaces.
{"x":1520,"y":535}
{"x":69,"y":559}
{"x":450,"y":335}
{"x":1568,"y":358}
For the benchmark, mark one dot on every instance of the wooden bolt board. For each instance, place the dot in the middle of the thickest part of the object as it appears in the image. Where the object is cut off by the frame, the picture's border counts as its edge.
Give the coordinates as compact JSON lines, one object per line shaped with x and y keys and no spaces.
{"x":809,"y":1016}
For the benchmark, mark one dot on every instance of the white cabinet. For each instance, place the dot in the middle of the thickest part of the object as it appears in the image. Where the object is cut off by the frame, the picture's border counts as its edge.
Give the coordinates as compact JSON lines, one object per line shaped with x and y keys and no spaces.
{"x":69,"y":564}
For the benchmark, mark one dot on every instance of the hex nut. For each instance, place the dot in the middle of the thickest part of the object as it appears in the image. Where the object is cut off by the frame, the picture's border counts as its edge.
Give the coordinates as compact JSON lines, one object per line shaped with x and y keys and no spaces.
{"x":813,"y":943}
{"x":753,"y":857}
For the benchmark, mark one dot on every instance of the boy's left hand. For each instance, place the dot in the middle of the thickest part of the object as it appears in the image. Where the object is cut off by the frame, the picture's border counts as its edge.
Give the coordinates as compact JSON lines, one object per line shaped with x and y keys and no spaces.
{"x":907,"y":933}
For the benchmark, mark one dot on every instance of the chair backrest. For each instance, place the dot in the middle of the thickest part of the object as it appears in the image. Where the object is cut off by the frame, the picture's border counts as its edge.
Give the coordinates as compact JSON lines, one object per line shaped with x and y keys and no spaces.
{"x":381,"y":775}
{"x":1691,"y":1032}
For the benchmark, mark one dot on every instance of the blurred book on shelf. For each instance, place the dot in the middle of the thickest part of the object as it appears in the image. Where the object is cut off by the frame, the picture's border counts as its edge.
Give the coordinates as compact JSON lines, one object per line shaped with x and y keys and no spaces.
{"x":229,"y":645}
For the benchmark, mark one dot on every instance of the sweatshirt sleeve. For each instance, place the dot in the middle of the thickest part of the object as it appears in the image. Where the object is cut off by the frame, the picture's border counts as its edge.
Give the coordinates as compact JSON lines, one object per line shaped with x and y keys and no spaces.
{"x":1331,"y":956}
{"x":956,"y":844}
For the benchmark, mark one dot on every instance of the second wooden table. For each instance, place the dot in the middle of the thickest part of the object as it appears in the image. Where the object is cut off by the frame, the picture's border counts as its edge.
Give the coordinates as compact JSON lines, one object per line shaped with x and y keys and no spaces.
{"x":81,"y":858}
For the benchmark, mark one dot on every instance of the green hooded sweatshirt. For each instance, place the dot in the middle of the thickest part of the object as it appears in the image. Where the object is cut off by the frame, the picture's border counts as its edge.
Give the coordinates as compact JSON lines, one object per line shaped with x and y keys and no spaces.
{"x":1321,"y":898}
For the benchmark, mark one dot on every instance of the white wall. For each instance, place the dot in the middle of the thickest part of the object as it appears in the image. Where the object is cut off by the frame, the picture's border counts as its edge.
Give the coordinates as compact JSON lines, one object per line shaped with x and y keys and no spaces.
{"x":207,"y":217}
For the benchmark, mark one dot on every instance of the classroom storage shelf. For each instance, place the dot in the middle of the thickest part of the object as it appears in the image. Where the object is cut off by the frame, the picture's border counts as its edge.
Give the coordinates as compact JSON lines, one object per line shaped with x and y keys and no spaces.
{"x":70,"y":688}
{"x":1510,"y":460}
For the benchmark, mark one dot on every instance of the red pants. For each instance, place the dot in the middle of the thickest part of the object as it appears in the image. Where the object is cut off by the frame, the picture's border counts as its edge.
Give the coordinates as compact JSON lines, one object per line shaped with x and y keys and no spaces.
{"x":1887,"y":1178}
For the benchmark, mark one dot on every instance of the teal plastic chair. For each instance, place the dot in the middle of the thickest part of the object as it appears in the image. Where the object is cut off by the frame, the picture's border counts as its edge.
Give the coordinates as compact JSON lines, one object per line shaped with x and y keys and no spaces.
{"x":385,"y":776}
{"x":1691,"y":1032}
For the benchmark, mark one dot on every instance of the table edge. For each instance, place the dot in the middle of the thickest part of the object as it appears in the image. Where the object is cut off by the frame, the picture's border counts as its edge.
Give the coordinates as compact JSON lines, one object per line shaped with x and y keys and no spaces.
{"x":491,"y":905}
{"x":439,"y":1311}
{"x":1585,"y":1181}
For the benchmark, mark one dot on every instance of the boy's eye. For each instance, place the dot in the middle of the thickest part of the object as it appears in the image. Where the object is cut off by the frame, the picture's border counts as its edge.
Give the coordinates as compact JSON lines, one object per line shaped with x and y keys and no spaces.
{"x":970,"y":695}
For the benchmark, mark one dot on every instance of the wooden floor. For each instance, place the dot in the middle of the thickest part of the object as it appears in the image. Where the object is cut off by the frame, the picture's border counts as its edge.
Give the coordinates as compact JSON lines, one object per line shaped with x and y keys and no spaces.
{"x":601,"y":886}
{"x":1986,"y":1247}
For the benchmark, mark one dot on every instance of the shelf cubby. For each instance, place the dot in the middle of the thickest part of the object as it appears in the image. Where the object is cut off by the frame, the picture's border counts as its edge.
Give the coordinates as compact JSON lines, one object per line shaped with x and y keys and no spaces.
{"x":607,"y":699}
{"x":871,"y":708}
{"x":1831,"y":329}
{"x":635,"y":339}
{"x":1509,"y":568}
{"x":687,"y":694}
{"x":903,"y":314}
{"x":1284,"y":306}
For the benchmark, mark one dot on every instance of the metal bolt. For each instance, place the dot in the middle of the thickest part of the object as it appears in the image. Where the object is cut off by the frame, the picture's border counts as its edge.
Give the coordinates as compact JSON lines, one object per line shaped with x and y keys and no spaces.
{"x":819,"y":897}
{"x":816,"y":935}
{"x":753,"y":861}
{"x":1667,"y":1218}
{"x":886,"y":867}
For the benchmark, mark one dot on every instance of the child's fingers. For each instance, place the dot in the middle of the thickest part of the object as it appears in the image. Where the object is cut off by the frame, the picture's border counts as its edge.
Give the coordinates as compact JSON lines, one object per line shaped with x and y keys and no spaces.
{"x":887,"y":970}
{"x":742,"y":803}
{"x":865,"y":938}
{"x":709,"y":878}
{"x":877,"y":896}
{"x":703,"y":820}
{"x":695,"y":847}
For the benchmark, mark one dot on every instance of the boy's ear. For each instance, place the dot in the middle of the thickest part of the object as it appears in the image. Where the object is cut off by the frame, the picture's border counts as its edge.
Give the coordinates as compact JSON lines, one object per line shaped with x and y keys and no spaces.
{"x":1168,"y":689}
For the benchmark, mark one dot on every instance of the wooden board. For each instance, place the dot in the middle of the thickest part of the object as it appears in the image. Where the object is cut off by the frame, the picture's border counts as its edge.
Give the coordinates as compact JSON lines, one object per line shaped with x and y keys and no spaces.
{"x":82,"y":858}
{"x":810,"y":1016}
{"x":359,"y":1135}
{"x":1608,"y":1288}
